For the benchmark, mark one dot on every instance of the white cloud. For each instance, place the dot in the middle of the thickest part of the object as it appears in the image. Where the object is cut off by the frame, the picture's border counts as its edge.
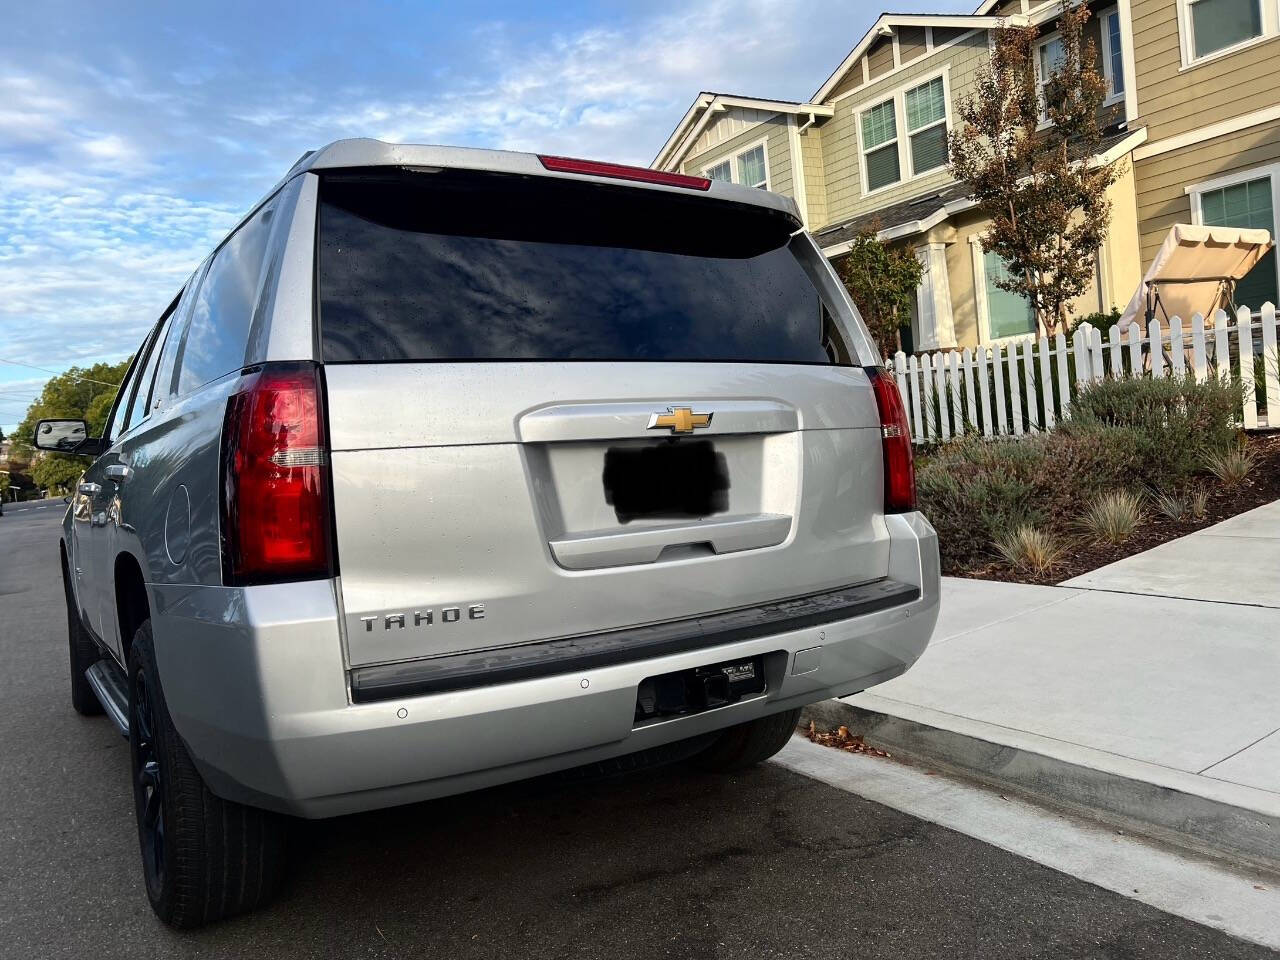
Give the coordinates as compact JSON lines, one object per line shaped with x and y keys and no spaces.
{"x":118,"y":174}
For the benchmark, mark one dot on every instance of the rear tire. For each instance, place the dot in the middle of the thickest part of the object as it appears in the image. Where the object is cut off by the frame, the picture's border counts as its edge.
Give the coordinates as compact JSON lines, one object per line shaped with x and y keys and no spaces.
{"x":84,"y":654}
{"x":203,"y":858}
{"x":749,"y":743}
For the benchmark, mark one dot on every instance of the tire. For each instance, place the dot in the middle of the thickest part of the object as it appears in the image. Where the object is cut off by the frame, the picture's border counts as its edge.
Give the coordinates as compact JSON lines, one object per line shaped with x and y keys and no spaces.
{"x":749,"y":743}
{"x":203,"y":858}
{"x":84,"y":654}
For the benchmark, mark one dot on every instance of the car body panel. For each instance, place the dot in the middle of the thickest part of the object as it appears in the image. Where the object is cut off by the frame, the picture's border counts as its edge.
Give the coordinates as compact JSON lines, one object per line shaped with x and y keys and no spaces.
{"x":254,"y":675}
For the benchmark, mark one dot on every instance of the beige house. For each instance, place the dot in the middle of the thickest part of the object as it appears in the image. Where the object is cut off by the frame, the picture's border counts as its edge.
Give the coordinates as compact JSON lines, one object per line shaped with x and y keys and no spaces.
{"x":1192,"y":115}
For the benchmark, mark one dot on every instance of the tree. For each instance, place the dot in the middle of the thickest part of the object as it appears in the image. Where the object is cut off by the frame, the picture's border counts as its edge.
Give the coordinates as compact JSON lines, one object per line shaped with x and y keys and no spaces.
{"x":1041,"y":187}
{"x":882,"y":282}
{"x":81,"y":392}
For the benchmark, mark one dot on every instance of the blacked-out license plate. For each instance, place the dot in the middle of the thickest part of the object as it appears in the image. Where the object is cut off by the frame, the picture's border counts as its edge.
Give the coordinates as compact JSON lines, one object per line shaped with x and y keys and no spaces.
{"x":680,"y":479}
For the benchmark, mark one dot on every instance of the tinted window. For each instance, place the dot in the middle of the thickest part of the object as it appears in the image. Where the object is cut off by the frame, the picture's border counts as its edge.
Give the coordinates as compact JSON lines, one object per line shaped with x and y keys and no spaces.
{"x":123,"y":395}
{"x":139,"y":409}
{"x":454,"y":266}
{"x":166,"y":367}
{"x":215,"y":338}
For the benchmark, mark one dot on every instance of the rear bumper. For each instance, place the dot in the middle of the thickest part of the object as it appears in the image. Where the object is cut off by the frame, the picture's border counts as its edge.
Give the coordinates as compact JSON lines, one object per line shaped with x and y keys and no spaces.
{"x":260,"y":694}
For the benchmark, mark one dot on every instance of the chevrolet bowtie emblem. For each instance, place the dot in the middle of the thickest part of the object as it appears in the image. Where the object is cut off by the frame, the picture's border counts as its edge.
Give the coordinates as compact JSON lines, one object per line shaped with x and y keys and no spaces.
{"x":679,"y":420}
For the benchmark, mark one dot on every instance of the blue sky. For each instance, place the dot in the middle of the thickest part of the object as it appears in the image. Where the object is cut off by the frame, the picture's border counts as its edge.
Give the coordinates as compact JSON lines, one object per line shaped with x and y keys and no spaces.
{"x":133,"y":136}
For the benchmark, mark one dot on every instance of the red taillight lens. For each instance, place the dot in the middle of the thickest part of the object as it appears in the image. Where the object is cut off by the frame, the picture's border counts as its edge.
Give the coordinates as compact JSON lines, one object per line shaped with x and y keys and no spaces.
{"x":276,"y":519}
{"x":621,"y":171}
{"x":899,"y":463}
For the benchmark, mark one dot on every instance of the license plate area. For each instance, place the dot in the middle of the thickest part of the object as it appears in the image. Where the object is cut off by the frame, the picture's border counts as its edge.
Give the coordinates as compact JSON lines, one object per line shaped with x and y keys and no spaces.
{"x":668,"y":480}
{"x":686,"y":692}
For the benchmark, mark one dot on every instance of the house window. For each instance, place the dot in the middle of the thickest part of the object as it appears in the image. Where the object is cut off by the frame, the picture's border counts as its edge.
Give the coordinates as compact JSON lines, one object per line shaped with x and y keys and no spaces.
{"x":751,"y":171}
{"x":880,"y":145}
{"x":1049,"y":57}
{"x":1216,"y":25}
{"x":905,"y":135}
{"x":1112,"y":56}
{"x":1247,"y":204}
{"x":749,"y":168}
{"x":1008,"y":314}
{"x":926,"y":110}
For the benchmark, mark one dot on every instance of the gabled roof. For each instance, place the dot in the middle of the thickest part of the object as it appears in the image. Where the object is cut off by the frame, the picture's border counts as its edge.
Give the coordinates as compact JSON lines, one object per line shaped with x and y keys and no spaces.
{"x":885,"y":25}
{"x":707,"y":104}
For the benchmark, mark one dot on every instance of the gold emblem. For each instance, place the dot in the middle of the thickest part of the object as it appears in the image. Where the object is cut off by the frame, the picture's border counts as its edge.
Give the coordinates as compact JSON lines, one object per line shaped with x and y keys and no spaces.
{"x":679,"y":420}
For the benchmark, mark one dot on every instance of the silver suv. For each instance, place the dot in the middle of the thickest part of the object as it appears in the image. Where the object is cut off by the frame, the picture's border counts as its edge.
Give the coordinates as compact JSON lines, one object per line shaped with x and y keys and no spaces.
{"x":452,"y":467}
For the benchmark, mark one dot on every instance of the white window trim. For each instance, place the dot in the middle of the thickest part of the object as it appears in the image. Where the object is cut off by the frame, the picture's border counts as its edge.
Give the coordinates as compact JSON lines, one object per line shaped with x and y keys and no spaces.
{"x":1267,"y":171}
{"x":895,"y":142}
{"x":908,"y":133}
{"x":1103,"y":54}
{"x":706,"y":171}
{"x":732,"y":158}
{"x":906,"y":166}
{"x":1129,"y":60}
{"x":763,"y":144}
{"x":980,"y":300}
{"x":1112,"y":97}
{"x":1270,"y":17}
{"x":1041,"y":82}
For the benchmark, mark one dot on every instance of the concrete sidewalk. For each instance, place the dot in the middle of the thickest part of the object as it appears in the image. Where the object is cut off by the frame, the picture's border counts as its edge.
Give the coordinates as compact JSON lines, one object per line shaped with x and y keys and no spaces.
{"x":1159,"y":712}
{"x":1236,"y":561}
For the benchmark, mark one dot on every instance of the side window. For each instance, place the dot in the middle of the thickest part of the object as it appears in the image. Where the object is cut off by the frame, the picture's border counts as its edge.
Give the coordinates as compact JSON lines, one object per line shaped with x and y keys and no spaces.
{"x":164,"y":380}
{"x":217,"y":334}
{"x":139,"y":409}
{"x":123,"y":395}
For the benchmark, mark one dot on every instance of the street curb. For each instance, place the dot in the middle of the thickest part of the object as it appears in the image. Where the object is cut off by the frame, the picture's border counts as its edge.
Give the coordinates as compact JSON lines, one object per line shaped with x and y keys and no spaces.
{"x":1201,"y":824}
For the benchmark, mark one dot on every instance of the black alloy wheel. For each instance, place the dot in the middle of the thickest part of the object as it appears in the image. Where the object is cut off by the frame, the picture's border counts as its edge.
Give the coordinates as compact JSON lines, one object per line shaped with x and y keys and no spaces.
{"x":148,"y":786}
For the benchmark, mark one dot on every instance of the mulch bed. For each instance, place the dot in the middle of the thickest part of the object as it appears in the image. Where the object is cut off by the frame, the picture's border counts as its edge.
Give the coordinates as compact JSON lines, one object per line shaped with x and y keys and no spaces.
{"x":1262,"y":486}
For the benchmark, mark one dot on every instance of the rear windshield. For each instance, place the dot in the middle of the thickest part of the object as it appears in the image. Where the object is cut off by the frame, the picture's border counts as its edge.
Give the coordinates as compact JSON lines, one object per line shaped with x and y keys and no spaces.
{"x":452,"y":265}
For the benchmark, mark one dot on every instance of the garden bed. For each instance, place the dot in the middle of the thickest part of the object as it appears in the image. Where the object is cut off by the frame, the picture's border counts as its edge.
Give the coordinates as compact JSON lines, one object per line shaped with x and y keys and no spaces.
{"x":1138,"y":462}
{"x":1261,"y":487}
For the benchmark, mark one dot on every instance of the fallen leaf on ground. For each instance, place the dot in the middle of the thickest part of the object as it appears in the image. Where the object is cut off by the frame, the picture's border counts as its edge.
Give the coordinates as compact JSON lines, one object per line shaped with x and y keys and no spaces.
{"x":842,"y":739}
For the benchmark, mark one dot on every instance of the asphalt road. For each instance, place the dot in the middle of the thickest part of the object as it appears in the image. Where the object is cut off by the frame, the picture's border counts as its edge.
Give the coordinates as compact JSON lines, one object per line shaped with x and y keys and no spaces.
{"x":54,"y":504}
{"x":675,"y":864}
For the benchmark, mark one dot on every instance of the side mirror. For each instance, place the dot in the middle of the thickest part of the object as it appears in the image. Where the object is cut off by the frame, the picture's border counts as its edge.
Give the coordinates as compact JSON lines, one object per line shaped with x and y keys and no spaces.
{"x":62,"y":436}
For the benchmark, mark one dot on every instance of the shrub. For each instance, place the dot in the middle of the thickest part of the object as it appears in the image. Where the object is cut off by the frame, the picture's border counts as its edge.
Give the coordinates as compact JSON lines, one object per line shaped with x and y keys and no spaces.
{"x":1103,"y":321}
{"x":1171,"y":505}
{"x":1231,"y":465}
{"x":1027,"y":547}
{"x":973,"y":490}
{"x":1199,"y":504}
{"x":976,"y":490}
{"x":1168,"y":421}
{"x":1112,"y":517}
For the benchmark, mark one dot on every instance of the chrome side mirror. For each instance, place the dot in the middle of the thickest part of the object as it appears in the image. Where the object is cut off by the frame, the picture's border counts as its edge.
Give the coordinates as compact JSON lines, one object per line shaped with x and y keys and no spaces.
{"x":61,"y":436}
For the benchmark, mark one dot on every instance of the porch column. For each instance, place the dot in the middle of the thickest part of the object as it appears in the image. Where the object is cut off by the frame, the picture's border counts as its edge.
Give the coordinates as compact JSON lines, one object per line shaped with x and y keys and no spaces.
{"x":933,"y":299}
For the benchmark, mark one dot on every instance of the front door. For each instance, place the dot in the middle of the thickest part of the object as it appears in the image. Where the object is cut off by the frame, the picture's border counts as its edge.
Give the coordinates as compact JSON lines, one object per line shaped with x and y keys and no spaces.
{"x":101,"y":490}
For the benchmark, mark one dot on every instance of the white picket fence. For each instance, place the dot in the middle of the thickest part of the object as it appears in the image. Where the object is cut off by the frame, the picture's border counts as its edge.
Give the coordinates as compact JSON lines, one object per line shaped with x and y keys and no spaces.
{"x":1025,"y":386}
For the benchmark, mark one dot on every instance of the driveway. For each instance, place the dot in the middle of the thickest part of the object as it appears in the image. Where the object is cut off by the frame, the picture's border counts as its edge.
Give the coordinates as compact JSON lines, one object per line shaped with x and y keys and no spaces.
{"x":676,"y":864}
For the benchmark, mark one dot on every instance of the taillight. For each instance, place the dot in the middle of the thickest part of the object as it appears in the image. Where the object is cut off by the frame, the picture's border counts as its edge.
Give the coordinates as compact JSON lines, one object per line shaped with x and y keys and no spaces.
{"x":276,"y":519}
{"x":619,"y":171}
{"x":899,"y":464}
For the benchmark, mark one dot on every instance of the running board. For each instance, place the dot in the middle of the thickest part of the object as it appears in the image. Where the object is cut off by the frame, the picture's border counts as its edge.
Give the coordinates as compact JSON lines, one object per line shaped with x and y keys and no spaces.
{"x":110,"y":687}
